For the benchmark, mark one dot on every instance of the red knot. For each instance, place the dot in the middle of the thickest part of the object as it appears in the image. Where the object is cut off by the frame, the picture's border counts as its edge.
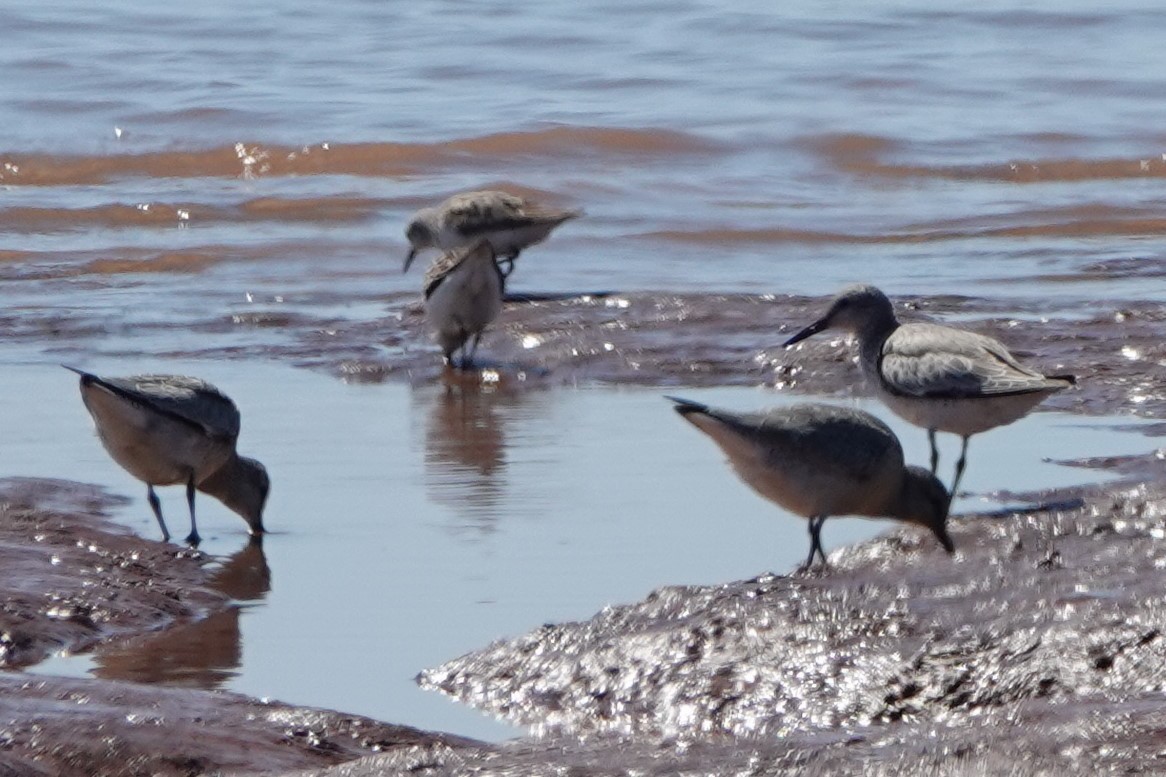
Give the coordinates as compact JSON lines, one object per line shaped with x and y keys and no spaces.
{"x":170,"y":429}
{"x":819,"y":460}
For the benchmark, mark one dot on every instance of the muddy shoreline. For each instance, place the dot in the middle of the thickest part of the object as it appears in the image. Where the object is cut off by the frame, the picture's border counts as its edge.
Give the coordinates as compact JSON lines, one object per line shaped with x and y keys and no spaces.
{"x":1045,"y":631}
{"x":73,"y":580}
{"x":648,"y":339}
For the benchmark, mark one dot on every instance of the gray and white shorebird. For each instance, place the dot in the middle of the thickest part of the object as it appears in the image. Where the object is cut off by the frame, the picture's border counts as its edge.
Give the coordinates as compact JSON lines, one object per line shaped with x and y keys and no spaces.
{"x":818,"y":460}
{"x":510,"y":223}
{"x":463,"y":295}
{"x":936,"y":377}
{"x":169,"y":430}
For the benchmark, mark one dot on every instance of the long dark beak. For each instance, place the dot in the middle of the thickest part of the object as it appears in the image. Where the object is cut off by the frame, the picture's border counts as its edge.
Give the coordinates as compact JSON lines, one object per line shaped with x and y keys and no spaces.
{"x":409,"y":259}
{"x":809,"y":331}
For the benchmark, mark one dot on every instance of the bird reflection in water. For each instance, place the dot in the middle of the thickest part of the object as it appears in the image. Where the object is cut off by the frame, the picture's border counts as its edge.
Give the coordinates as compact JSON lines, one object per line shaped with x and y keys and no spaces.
{"x":466,"y":449}
{"x":204,"y":654}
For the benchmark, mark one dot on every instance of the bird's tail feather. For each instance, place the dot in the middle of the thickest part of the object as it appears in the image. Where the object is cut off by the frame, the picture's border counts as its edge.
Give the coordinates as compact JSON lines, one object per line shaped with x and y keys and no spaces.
{"x":686,"y":406}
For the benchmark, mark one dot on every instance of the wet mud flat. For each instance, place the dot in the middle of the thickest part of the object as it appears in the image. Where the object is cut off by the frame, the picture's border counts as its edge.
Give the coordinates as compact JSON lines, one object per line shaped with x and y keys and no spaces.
{"x":1038,"y":647}
{"x":73,"y":580}
{"x":1115,"y":346}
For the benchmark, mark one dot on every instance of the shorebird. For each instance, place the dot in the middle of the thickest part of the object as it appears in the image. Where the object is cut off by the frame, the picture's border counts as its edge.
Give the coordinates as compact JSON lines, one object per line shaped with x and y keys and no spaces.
{"x":819,"y":460}
{"x":170,"y":429}
{"x":936,"y":377}
{"x":463,"y":294}
{"x":510,"y":223}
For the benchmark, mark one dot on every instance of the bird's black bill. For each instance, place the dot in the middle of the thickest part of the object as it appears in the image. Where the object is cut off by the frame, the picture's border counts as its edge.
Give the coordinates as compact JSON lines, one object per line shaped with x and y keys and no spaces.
{"x":809,"y":331}
{"x":409,"y":259}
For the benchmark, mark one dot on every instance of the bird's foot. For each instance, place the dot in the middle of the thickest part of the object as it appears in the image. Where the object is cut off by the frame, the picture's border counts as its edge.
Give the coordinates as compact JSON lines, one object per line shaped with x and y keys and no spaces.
{"x":810,"y":569}
{"x":193,"y":539}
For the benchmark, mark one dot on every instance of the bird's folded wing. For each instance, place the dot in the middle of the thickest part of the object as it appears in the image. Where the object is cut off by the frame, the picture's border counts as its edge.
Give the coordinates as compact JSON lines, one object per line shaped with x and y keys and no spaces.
{"x":485,"y":212}
{"x":185,"y":399}
{"x":441,"y":267}
{"x":936,"y":362}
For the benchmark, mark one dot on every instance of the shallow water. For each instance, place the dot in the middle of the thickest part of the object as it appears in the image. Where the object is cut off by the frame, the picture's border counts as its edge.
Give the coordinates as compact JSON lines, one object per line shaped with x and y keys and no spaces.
{"x":199,"y":155}
{"x":223,"y":190}
{"x":413,"y":524}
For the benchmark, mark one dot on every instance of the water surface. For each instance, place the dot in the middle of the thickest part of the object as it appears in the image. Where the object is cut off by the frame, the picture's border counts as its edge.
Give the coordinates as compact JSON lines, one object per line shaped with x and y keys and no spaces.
{"x":413,"y":524}
{"x":223,"y":190}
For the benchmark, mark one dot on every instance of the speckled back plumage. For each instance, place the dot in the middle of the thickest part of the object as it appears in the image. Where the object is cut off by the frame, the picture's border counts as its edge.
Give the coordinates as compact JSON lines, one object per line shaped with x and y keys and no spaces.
{"x":471,"y":214}
{"x":442,"y":266}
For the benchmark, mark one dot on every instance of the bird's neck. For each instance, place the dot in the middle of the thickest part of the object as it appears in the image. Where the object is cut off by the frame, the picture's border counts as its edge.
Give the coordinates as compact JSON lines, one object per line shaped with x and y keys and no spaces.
{"x":871,"y":340}
{"x":221,"y":484}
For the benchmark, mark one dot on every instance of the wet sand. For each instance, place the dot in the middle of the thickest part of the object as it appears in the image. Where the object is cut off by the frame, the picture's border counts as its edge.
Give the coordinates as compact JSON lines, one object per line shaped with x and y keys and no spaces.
{"x":196,"y":185}
{"x":1044,"y":630}
{"x":648,"y":338}
{"x":73,"y":580}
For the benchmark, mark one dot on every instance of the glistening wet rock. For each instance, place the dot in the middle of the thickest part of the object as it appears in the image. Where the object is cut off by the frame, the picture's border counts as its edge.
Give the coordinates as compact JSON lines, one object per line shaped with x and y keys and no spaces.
{"x":71,"y":577}
{"x":70,"y":727}
{"x":1039,"y":737}
{"x":1045,"y":617}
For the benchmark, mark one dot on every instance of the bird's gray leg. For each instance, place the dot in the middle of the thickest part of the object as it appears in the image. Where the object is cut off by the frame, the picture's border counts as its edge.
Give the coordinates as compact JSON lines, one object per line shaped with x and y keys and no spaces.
{"x":934,"y":450}
{"x":959,"y":468}
{"x":152,"y":498}
{"x":509,"y":260}
{"x":463,"y":335}
{"x":815,"y":523}
{"x":193,"y":539}
{"x":469,"y":360}
{"x":818,"y":539}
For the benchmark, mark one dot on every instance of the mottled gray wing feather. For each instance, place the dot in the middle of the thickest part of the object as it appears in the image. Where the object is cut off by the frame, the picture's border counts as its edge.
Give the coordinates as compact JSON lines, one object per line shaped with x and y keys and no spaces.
{"x":447,"y":263}
{"x":443,"y":265}
{"x":478,"y":213}
{"x":194,"y":400}
{"x":926,"y":360}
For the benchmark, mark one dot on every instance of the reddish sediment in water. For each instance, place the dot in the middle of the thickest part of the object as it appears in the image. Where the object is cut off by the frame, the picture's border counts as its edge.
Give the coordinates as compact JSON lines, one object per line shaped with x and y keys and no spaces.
{"x":253,"y":159}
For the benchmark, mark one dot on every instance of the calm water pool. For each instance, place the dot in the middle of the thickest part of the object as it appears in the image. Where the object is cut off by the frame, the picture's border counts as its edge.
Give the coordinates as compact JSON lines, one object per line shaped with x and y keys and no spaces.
{"x":411,"y":525}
